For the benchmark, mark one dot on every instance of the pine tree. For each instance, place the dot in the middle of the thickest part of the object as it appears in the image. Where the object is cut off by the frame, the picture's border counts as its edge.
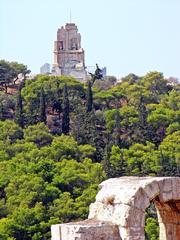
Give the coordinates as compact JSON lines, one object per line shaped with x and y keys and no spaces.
{"x":89,"y":98}
{"x":65,"y":111}
{"x":19,"y":118}
{"x":42,"y":107}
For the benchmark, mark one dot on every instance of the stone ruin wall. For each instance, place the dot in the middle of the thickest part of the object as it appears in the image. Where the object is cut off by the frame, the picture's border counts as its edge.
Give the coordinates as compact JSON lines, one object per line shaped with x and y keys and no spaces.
{"x":119,"y":210}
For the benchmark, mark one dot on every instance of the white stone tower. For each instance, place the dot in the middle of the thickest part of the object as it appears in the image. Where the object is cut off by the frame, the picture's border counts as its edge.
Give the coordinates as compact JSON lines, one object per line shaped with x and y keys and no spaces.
{"x":68,"y":54}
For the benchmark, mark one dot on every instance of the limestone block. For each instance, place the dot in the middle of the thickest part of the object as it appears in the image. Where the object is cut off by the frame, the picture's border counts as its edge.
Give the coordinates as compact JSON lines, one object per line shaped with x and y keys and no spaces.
{"x":125,"y":195}
{"x":100,"y":211}
{"x":136,"y":218}
{"x":166,"y":187}
{"x":140,"y":200}
{"x":123,"y":232}
{"x":127,"y":216}
{"x":121,"y":213}
{"x":127,"y":190}
{"x":131,"y":195}
{"x":55,"y":232}
{"x":176,"y":189}
{"x":85,"y":230}
{"x":132,"y":233}
{"x":151,"y":189}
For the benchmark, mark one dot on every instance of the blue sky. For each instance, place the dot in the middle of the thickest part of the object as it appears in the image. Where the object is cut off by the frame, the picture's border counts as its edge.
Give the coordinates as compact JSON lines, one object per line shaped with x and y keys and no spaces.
{"x":126,"y":36}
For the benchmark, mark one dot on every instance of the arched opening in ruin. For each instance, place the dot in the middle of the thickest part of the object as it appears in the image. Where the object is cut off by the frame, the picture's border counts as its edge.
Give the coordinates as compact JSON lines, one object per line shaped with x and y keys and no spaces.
{"x":151,"y":228}
{"x":131,"y":196}
{"x":119,"y":210}
{"x":168,"y":218}
{"x":162,"y":220}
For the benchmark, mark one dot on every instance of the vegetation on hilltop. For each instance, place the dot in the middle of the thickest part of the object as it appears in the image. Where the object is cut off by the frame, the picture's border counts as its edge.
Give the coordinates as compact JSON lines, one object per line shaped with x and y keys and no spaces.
{"x":60,"y":138}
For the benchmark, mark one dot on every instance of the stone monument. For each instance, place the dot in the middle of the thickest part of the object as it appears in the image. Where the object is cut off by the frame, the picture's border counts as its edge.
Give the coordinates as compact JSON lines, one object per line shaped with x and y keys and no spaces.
{"x":68,"y":55}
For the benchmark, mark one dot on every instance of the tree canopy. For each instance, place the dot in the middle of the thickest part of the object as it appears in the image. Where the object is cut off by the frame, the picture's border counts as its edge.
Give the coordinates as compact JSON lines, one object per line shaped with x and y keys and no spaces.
{"x":60,"y":138}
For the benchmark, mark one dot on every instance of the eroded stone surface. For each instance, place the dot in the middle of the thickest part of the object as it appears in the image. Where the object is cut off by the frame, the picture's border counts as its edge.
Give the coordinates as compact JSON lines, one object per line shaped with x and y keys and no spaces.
{"x":69,"y":57}
{"x":123,"y":202}
{"x":86,"y":230}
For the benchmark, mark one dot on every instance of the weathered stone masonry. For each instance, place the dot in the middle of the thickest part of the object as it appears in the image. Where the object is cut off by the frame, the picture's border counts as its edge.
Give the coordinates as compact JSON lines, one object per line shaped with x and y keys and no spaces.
{"x":69,"y":57}
{"x":121,"y":204}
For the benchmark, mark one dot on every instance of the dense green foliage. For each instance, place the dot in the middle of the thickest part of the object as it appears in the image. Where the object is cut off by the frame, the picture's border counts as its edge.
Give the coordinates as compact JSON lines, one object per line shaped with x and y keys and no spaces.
{"x":9,"y":73}
{"x":151,"y":227}
{"x":44,"y":179}
{"x":75,"y":136}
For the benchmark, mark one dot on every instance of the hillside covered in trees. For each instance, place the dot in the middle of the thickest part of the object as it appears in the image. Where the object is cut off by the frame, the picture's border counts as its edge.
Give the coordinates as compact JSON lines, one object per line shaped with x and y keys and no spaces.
{"x":60,"y":138}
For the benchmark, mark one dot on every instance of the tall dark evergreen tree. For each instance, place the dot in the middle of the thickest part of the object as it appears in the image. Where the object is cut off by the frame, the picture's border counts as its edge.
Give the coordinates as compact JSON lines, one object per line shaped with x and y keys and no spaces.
{"x":65,"y":111}
{"x":89,"y":98}
{"x":1,"y":111}
{"x":42,"y":107}
{"x":117,"y":130}
{"x":19,"y":117}
{"x":106,"y":158}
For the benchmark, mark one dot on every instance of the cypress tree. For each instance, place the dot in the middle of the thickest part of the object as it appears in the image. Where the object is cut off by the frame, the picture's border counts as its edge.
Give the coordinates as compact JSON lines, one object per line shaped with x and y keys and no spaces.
{"x":106,"y":160}
{"x":117,"y":129}
{"x":1,"y":111}
{"x":19,"y":118}
{"x":89,"y":98}
{"x":42,"y":107}
{"x":79,"y":126}
{"x":65,"y":111}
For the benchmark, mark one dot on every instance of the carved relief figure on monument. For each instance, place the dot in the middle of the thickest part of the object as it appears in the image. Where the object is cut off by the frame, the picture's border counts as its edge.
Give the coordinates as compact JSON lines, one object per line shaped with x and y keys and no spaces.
{"x":74,"y":45}
{"x":61,"y":45}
